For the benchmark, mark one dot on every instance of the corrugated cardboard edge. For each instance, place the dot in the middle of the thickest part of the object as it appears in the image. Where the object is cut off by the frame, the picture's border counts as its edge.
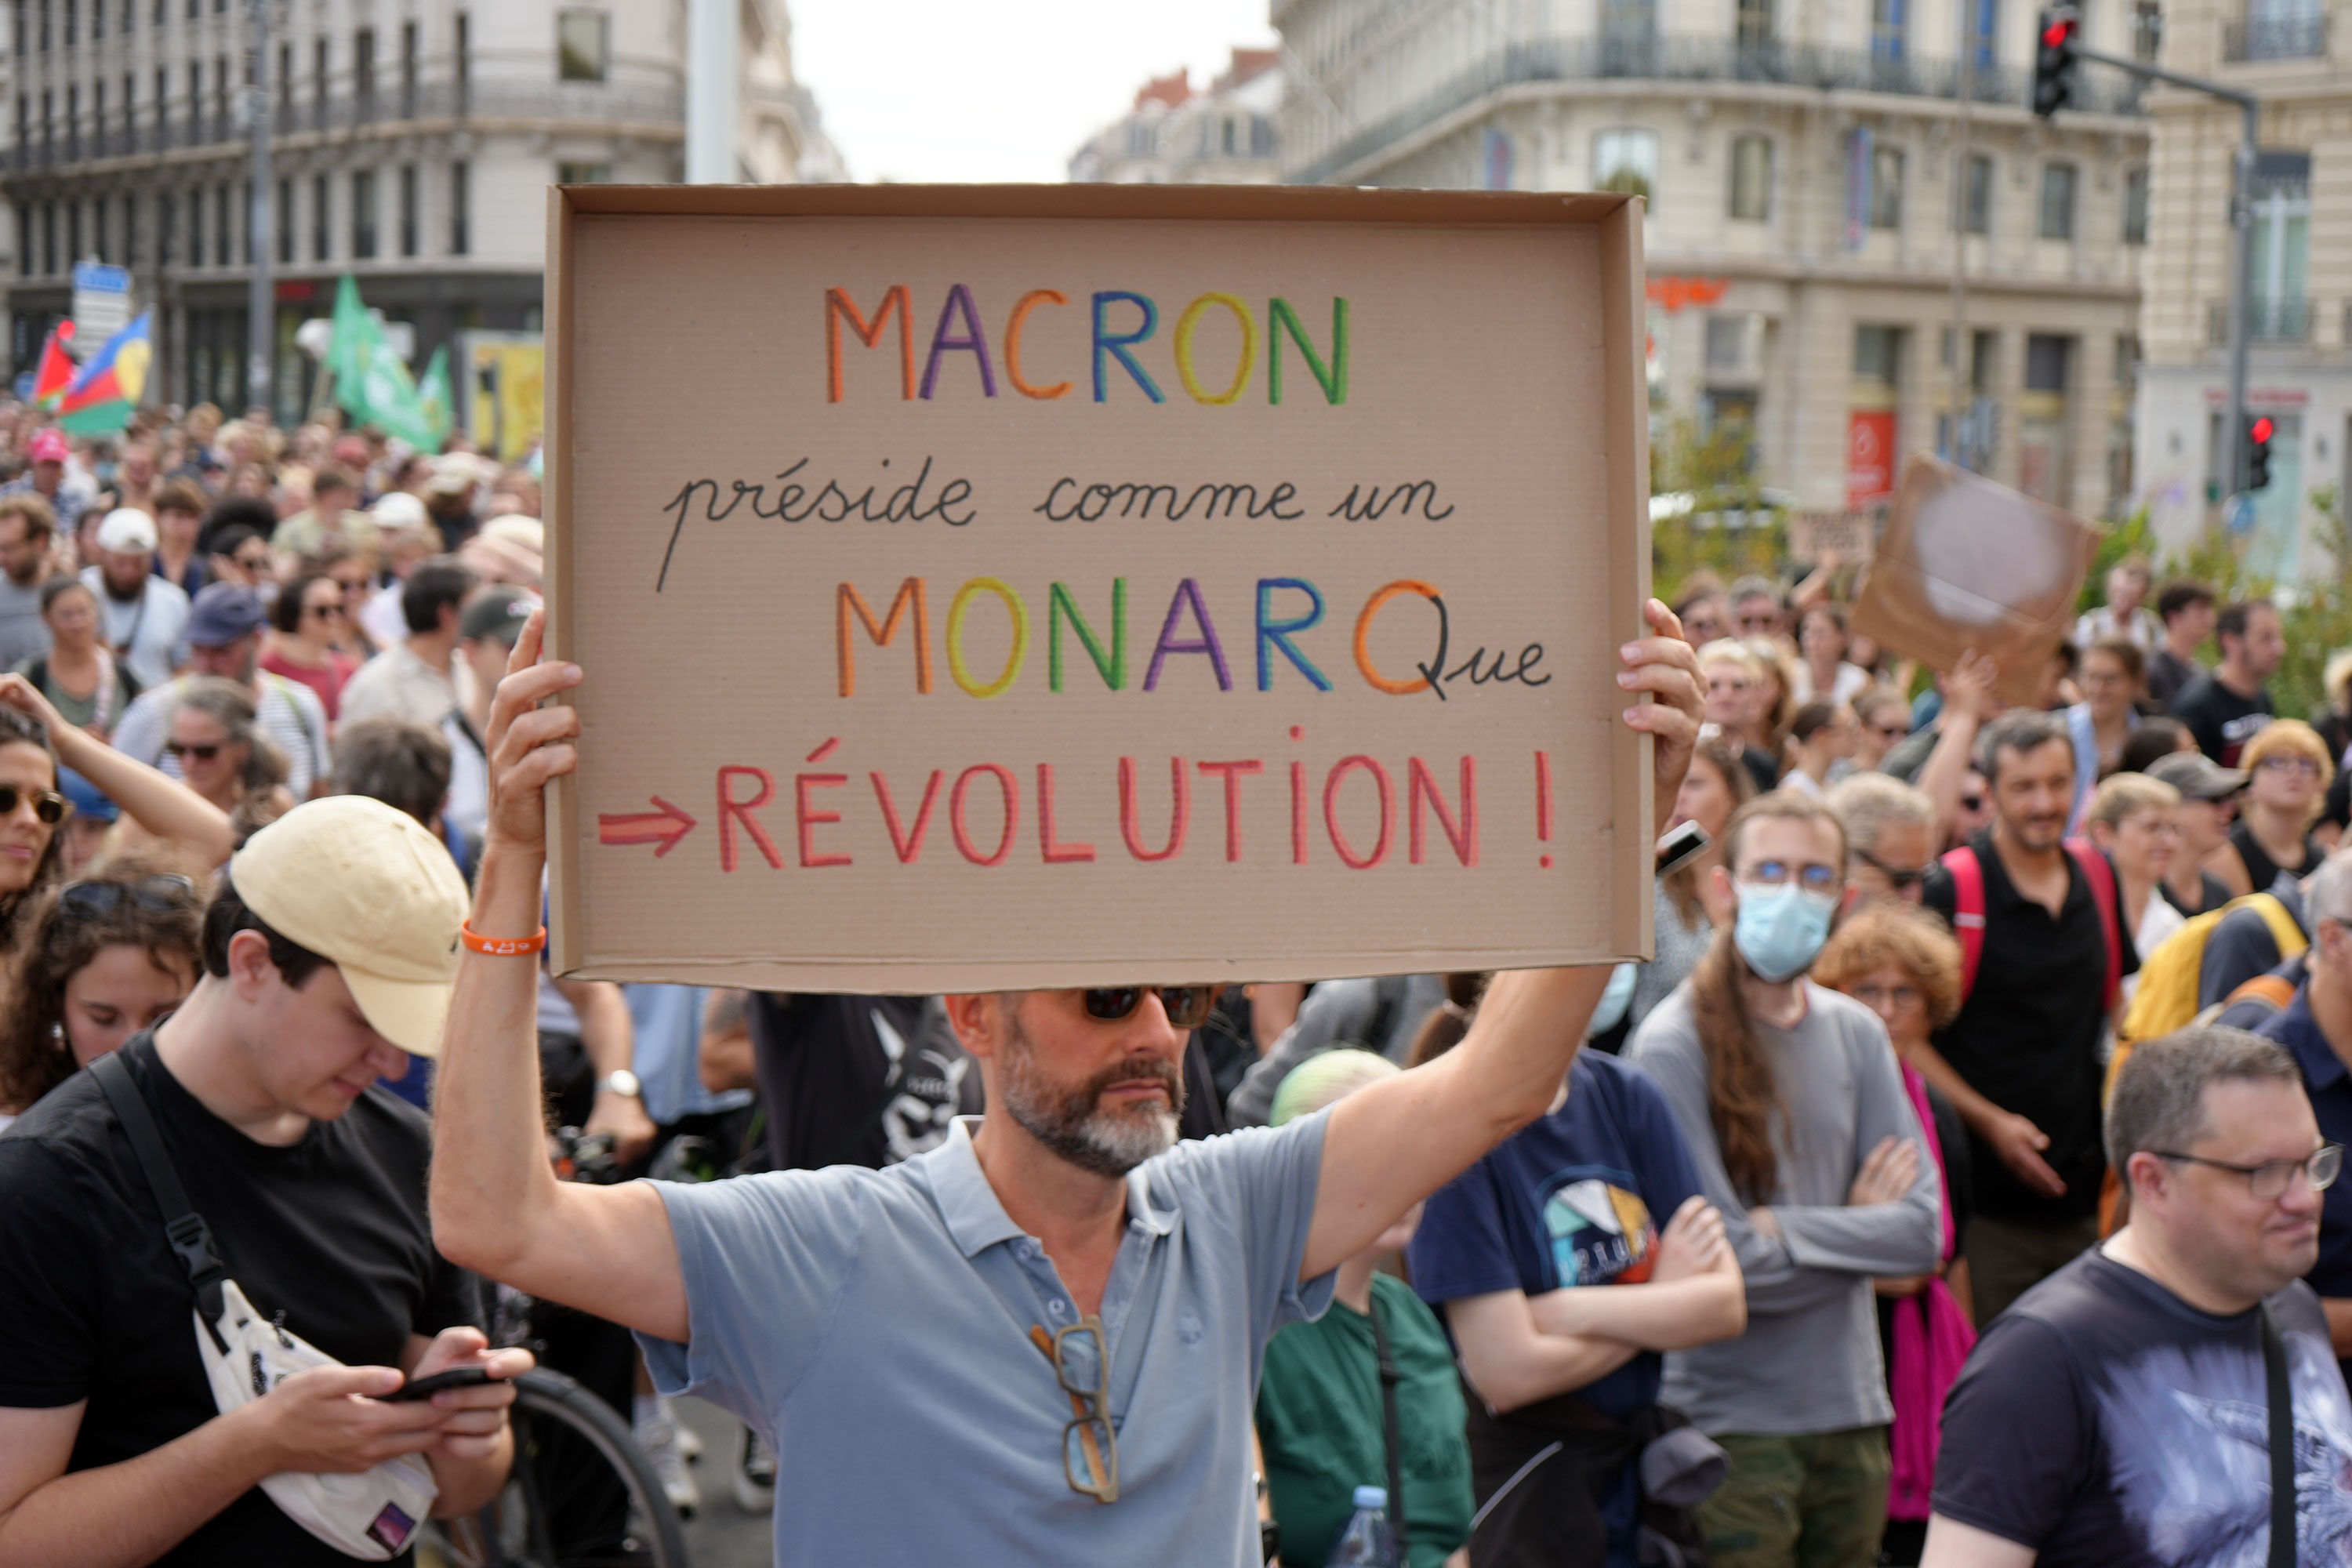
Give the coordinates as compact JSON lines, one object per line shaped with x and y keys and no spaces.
{"x":568,"y":921}
{"x":1625,"y":350}
{"x":1617,"y":219}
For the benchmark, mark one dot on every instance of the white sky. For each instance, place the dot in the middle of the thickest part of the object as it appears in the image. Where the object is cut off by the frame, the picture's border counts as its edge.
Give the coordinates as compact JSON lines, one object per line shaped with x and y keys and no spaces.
{"x":983,"y":90}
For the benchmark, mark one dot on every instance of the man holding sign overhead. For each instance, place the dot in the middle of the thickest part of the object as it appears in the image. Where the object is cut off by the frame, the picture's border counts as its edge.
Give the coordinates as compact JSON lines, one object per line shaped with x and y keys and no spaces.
{"x":1054,"y":1322}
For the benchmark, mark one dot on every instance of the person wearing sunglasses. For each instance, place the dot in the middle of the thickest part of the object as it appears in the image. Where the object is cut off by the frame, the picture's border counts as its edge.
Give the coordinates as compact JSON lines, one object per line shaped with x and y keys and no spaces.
{"x":1890,"y":838}
{"x":217,"y":744}
{"x":33,"y":741}
{"x":1057,"y":1320}
{"x":1886,"y":724}
{"x":2122,"y":1414}
{"x":1792,"y":1103}
{"x":102,"y":958}
{"x":304,"y":622}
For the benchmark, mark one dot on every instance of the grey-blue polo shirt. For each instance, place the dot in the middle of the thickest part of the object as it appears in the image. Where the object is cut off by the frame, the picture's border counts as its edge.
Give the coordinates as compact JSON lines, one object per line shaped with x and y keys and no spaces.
{"x":877,"y":1324}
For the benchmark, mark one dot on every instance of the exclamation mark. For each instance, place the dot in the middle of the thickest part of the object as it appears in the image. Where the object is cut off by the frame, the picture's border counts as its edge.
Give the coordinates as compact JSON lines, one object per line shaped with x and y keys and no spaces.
{"x":1543,"y":805}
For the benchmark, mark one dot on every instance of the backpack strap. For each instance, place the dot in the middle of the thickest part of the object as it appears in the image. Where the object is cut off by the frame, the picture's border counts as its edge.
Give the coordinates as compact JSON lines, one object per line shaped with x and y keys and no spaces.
{"x":2102,"y":879}
{"x":190,"y":1237}
{"x":2280,"y":1397}
{"x":1967,"y":912}
{"x":2286,"y":933}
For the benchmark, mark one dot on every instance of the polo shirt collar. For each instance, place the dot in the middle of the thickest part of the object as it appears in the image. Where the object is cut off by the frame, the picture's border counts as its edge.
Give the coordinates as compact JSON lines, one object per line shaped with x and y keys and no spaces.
{"x":974,"y":1215}
{"x":2299,"y":1032}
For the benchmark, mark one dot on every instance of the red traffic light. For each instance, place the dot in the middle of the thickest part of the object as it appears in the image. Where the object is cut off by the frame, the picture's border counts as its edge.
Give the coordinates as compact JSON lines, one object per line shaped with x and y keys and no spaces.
{"x":2061,"y":28}
{"x":2260,"y":429}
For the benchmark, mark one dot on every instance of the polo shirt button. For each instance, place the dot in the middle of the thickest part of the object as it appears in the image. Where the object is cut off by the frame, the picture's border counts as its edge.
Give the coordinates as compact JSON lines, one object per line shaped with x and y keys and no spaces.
{"x":1059,"y":1308}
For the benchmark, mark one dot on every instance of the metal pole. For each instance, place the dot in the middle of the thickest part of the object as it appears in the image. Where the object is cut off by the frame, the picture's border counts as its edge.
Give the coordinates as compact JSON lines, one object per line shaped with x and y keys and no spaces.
{"x":261,"y":298}
{"x":710,"y":48}
{"x":2242,"y":268}
{"x":1962,"y":412}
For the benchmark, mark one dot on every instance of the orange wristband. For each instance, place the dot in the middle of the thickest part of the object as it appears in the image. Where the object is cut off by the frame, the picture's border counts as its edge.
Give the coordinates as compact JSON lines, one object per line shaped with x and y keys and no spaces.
{"x":501,"y":946}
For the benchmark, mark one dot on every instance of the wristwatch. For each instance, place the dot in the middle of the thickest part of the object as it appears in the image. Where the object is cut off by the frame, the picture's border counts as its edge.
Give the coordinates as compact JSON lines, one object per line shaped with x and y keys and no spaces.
{"x":623,"y":1083}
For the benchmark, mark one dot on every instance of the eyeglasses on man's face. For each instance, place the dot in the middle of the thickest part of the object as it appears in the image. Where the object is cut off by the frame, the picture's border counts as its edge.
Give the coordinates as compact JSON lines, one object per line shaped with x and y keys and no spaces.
{"x":2270,"y":1178}
{"x":1187,"y":1006}
{"x":1902,"y":879}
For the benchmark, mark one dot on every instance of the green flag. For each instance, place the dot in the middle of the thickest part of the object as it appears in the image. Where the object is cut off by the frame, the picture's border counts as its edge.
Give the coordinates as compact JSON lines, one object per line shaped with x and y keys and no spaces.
{"x":370,"y":382}
{"x":433,"y":396}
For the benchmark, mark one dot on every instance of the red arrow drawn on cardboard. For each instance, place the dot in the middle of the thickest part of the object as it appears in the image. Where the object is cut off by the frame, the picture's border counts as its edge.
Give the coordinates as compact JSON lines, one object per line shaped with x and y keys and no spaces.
{"x":665,"y":827}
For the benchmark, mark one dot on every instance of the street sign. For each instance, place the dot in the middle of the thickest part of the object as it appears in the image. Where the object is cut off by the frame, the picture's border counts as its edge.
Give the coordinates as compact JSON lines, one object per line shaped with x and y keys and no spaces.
{"x":101,"y":301}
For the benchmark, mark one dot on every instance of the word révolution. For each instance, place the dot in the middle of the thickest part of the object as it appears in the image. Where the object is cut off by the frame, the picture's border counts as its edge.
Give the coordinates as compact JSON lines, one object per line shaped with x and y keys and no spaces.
{"x":1121,"y":321}
{"x":984,"y":811}
{"x":1287,"y":609}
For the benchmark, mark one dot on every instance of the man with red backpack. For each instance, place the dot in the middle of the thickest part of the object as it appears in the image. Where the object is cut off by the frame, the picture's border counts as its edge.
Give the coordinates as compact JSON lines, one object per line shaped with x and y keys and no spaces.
{"x":2043,"y":952}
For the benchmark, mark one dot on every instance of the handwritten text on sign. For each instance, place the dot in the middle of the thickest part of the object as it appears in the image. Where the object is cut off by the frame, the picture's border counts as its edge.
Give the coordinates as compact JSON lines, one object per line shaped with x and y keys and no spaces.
{"x":1214,"y":610}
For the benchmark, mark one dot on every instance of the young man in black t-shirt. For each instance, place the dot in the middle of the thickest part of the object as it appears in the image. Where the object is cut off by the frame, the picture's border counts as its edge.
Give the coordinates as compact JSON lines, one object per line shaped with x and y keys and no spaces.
{"x":2229,"y":706}
{"x":2021,"y":1062}
{"x":328,"y":955}
{"x":2118,"y":1415}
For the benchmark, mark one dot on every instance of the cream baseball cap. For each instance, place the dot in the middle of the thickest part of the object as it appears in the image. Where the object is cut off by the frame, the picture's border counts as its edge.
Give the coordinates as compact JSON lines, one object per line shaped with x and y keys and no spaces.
{"x":368,"y":888}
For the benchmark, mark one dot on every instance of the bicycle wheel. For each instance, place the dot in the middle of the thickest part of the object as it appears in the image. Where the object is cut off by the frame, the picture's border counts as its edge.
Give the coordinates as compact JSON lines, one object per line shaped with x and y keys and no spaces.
{"x":582,"y":1495}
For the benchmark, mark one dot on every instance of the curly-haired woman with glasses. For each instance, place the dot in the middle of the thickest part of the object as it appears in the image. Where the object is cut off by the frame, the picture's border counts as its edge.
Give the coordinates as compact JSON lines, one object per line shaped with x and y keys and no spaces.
{"x":98,"y":960}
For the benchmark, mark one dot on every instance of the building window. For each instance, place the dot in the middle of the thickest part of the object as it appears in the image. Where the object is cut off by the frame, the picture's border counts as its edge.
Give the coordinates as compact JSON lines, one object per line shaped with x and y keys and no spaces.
{"x":363,"y":214}
{"x":465,"y":53}
{"x":2135,"y":207}
{"x":1751,"y":178}
{"x":319,"y":62}
{"x":1628,"y":23}
{"x":1887,"y":26}
{"x":322,"y":219}
{"x":364,"y":69}
{"x":408,"y":71}
{"x":583,"y":173}
{"x":1626,"y":161}
{"x":167,"y":229}
{"x":282,"y":221}
{"x":1726,"y":343}
{"x":98,"y":208}
{"x":2148,"y":30}
{"x":48,"y":239}
{"x":163,"y":96}
{"x":461,"y":192}
{"x":2045,"y":362}
{"x":1886,"y":187}
{"x":24,"y":232}
{"x":2276,"y":30}
{"x":2279,"y":280}
{"x":73,"y":117}
{"x":1986,"y":30}
{"x":286,"y":86}
{"x":196,"y":229}
{"x":408,"y":209}
{"x":2058,"y":181}
{"x":1753,"y":24}
{"x":1976,"y":195}
{"x":582,"y":38}
{"x":130,"y":102}
{"x":130,"y":223}
{"x":73,"y":233}
{"x":223,"y":227}
{"x":98,"y":107}
{"x":195,"y":101}
{"x":1877,"y":353}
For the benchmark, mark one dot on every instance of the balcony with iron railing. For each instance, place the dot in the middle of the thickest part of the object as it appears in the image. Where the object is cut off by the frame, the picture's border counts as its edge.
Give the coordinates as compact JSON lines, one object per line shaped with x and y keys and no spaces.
{"x":595,"y":103}
{"x":2275,"y":39}
{"x":2267,"y":320}
{"x":1668,"y":58}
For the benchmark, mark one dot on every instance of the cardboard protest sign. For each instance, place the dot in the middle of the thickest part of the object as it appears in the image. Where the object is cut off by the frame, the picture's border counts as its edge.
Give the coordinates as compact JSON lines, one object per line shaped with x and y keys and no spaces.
{"x":1963,"y":562}
{"x":984,"y":588}
{"x":1815,"y":534}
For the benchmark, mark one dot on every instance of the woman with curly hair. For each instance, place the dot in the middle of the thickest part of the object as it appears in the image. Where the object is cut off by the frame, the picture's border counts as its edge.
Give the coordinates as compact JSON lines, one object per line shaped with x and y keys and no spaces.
{"x":223,"y":756}
{"x":1904,"y":964}
{"x":100,"y":959}
{"x":1790,"y":1097}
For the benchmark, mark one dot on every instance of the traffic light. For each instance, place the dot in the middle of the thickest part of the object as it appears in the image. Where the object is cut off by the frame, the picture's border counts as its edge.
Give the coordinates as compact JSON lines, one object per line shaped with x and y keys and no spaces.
{"x":2258,"y":431}
{"x":2053,"y":60}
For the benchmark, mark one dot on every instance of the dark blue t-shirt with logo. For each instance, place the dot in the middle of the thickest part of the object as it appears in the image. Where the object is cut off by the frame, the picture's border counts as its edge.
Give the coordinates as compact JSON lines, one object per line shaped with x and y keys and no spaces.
{"x":1576,"y":1198}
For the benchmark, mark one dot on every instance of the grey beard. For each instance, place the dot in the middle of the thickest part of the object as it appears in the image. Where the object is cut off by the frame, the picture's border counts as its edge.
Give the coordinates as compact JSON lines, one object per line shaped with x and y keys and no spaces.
{"x":1071,"y":1126}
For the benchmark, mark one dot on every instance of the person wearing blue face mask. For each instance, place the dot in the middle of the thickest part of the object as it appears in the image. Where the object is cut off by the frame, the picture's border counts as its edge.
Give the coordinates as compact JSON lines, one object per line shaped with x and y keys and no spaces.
{"x":1805,"y":1140}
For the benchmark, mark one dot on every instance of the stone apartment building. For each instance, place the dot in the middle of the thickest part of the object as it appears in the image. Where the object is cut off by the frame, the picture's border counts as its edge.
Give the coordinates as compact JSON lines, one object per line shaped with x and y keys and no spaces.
{"x":1225,"y":134}
{"x":412,"y":144}
{"x":1804,"y":161}
{"x":2298,"y":59}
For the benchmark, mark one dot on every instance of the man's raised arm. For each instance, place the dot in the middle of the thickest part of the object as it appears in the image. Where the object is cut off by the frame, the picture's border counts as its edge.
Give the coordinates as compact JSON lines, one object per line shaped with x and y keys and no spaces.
{"x":1393,"y":1143}
{"x":496,"y":1206}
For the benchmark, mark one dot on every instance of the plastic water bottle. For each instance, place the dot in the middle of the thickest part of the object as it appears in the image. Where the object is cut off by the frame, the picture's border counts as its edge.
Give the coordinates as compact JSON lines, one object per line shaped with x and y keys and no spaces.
{"x":1364,"y":1541}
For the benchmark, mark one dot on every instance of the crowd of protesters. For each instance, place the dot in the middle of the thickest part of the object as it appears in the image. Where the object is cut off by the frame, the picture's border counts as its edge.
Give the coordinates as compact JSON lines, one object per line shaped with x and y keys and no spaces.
{"x":1925,"y":1199}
